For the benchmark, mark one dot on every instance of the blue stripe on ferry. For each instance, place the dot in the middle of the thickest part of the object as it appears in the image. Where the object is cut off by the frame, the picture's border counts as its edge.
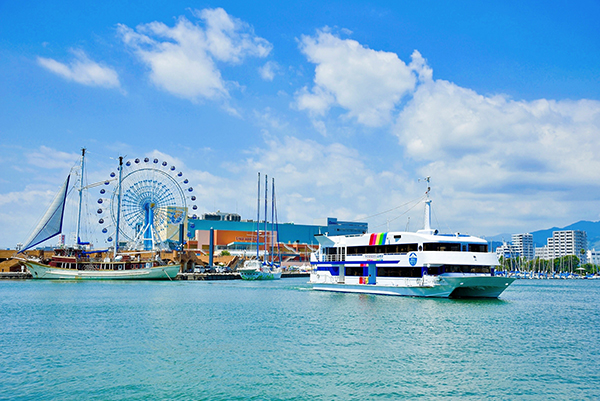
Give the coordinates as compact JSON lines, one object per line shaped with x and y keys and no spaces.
{"x":370,"y":262}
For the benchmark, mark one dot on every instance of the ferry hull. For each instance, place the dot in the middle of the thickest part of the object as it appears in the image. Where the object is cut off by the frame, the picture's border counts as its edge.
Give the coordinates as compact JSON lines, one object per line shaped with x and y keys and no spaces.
{"x":438,"y":287}
{"x":41,"y":271}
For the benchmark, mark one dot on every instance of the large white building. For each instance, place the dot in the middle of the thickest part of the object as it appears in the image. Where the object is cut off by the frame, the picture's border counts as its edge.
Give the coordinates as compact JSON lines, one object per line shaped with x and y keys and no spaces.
{"x":593,"y":257}
{"x":563,"y":243}
{"x":523,"y":243}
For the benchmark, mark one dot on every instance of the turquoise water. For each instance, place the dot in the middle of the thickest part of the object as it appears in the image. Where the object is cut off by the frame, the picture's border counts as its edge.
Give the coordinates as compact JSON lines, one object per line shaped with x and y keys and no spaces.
{"x":280,"y":340}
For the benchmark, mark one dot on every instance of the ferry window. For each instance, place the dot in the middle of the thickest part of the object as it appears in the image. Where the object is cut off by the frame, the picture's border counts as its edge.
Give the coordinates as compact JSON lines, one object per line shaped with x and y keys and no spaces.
{"x":334,"y":270}
{"x":394,"y":271}
{"x":387,"y":249}
{"x":354,"y":270}
{"x":405,"y":248}
{"x":466,"y":269}
{"x":478,"y":247}
{"x":433,"y":270}
{"x":442,"y":246}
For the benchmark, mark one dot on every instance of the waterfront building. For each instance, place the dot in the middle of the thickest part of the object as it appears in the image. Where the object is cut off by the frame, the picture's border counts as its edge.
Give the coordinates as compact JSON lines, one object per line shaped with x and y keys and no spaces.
{"x":542,"y":253}
{"x":523,"y":243}
{"x":335,"y":227}
{"x":220,"y":216}
{"x":567,"y":242}
{"x":593,"y":256}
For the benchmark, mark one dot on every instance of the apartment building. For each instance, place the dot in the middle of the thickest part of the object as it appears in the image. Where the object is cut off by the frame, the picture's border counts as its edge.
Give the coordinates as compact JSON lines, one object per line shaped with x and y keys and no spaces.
{"x":565,"y":242}
{"x":523,"y":244}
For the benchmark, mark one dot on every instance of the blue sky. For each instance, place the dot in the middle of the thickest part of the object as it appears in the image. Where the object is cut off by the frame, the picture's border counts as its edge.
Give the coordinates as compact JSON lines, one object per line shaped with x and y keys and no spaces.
{"x":346,"y":104}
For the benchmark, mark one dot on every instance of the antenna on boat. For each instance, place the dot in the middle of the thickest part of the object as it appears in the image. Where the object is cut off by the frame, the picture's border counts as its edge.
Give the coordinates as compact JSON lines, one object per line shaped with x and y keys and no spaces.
{"x":427,"y":219}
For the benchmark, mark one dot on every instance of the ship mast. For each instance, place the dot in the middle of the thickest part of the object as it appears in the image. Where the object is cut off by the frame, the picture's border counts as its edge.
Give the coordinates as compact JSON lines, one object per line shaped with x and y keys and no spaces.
{"x":271,"y":258}
{"x":118,"y":206}
{"x":80,"y":197}
{"x":258,"y":220}
{"x":427,"y":218}
{"x":266,"y":219}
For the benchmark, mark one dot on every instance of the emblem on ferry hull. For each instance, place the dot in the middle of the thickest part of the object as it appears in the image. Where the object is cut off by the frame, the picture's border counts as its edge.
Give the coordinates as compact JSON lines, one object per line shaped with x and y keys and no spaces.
{"x":412,"y":258}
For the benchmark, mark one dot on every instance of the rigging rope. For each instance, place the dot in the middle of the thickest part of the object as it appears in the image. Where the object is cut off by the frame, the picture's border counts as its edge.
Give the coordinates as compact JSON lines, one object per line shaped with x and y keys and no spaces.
{"x":418,"y":200}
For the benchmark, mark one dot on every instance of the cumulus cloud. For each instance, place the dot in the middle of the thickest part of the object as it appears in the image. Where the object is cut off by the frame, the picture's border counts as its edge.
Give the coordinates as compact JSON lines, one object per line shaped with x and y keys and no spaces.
{"x":183,"y":59}
{"x":462,"y":133}
{"x":269,"y":70}
{"x":82,"y":70}
{"x":367,"y":83}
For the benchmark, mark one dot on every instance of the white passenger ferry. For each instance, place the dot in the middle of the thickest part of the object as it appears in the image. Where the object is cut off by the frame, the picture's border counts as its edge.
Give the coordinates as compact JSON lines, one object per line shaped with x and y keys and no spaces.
{"x":420,"y":264}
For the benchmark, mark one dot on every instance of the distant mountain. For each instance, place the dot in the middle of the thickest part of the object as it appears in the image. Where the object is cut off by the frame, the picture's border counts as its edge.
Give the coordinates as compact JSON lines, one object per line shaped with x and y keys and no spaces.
{"x":539,"y":237}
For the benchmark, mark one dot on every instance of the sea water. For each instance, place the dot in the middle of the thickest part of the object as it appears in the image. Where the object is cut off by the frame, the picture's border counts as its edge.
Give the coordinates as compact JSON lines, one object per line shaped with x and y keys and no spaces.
{"x":280,"y":340}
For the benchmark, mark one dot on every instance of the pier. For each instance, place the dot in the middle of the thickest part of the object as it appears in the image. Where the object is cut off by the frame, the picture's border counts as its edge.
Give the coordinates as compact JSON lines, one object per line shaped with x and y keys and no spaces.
{"x":181,"y":276}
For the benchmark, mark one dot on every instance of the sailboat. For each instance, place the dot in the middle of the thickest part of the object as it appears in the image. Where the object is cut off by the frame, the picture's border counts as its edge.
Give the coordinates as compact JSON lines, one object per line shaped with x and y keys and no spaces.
{"x":77,"y":263}
{"x":256,"y":269}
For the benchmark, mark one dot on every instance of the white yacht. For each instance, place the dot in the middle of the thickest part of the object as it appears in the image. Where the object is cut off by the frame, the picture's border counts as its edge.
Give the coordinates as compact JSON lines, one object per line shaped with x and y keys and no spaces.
{"x":257,"y":270}
{"x":420,"y":264}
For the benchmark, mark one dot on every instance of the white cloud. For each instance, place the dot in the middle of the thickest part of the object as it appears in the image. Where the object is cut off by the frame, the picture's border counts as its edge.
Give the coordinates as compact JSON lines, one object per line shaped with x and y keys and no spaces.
{"x":459,"y":132}
{"x":269,"y":70}
{"x":314,"y":180}
{"x":182,"y":59}
{"x":231,"y":39}
{"x":51,"y":158}
{"x":367,"y":83}
{"x":83,"y":70}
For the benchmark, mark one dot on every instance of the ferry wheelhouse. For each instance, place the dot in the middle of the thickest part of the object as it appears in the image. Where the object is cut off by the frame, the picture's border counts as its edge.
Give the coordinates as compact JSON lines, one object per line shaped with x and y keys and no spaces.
{"x":422,"y":264}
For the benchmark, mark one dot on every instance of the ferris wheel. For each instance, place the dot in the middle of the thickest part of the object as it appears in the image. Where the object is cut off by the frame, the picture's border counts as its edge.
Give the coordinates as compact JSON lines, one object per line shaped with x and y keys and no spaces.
{"x":154,"y":200}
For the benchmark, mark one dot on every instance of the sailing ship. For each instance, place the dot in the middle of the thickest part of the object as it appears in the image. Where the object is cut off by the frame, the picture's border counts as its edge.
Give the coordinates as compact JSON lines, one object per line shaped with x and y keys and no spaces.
{"x":77,"y":263}
{"x":257,"y":269}
{"x":420,"y":264}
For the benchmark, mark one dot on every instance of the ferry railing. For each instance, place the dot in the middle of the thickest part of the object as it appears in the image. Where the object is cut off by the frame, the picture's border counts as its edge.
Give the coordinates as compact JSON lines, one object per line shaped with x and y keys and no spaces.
{"x":333,"y":258}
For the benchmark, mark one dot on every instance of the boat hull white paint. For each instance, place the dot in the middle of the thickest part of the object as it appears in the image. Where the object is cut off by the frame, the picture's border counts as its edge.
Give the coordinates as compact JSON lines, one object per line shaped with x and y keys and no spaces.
{"x":443,"y":286}
{"x":259,"y":275}
{"x":41,"y":271}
